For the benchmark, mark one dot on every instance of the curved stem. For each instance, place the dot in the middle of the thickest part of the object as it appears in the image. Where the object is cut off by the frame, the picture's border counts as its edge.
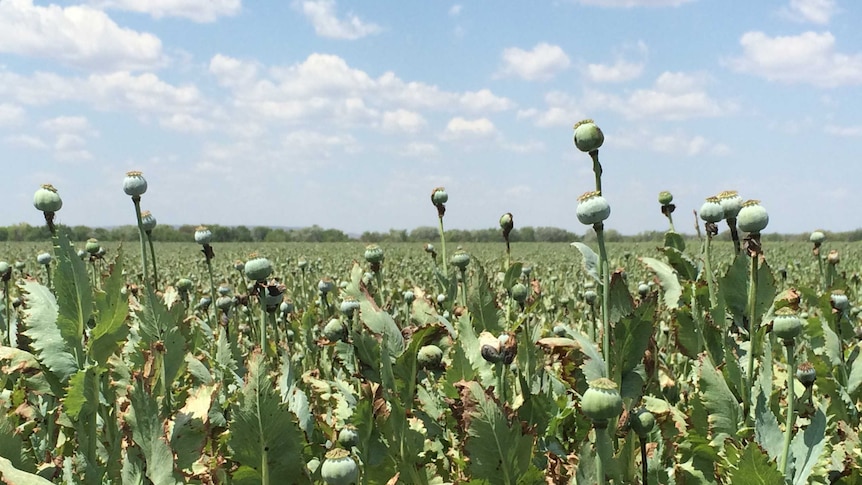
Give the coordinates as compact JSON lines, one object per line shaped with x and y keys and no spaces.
{"x":606,"y":296}
{"x":734,"y":234}
{"x":791,"y":397}
{"x":142,"y":235}
{"x":597,"y":169}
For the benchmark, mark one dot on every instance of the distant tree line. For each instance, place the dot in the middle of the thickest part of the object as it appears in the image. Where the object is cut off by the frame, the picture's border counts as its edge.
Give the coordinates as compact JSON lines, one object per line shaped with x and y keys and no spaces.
{"x":185,"y":233}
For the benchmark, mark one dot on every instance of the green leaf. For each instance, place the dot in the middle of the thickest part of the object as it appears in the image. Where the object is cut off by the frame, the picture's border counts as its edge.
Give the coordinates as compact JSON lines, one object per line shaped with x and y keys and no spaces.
{"x":667,"y":279}
{"x":513,"y":274}
{"x":406,"y":366}
{"x":632,"y":335}
{"x":499,"y":451}
{"x":380,"y":322}
{"x":594,"y":366}
{"x":591,"y":260}
{"x":41,"y":317}
{"x":855,"y":378}
{"x":723,"y":408}
{"x":675,"y":241}
{"x":482,"y":302}
{"x":766,"y":431}
{"x":188,"y":429}
{"x":620,"y":303}
{"x":148,"y":433}
{"x":82,"y":398}
{"x":156,"y":319}
{"x":755,"y":468}
{"x":112,"y":307}
{"x":684,"y":266}
{"x":807,"y":446}
{"x":264,"y":438}
{"x":9,"y":475}
{"x":733,"y":286}
{"x":13,"y":448}
{"x":74,"y":295}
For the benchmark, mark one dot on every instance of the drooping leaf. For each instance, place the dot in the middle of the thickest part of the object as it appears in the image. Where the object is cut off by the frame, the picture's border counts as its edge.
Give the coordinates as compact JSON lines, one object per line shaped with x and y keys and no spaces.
{"x":112,"y":309}
{"x":12,"y":447}
{"x":591,"y":260}
{"x":9,"y":475}
{"x":380,"y":322}
{"x":82,"y":399}
{"x":41,"y":316}
{"x":188,"y":429}
{"x":755,"y":468}
{"x":594,"y":366}
{"x":406,"y":366}
{"x":684,"y":266}
{"x":156,"y":320}
{"x":263,"y":433}
{"x":724,"y":410}
{"x":513,"y":274}
{"x":855,"y":379}
{"x":808,"y":445}
{"x":482,"y":303}
{"x":148,"y":433}
{"x":499,"y":450}
{"x":667,"y":279}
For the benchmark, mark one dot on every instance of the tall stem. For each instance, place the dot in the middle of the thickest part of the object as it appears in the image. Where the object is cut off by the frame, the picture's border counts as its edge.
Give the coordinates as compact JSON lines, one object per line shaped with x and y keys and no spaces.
{"x":791,"y":398}
{"x":212,"y":293}
{"x":753,"y":331}
{"x":7,"y":311}
{"x":707,"y":266}
{"x":606,"y":296}
{"x":597,"y":169}
{"x":734,"y":234}
{"x":142,"y":234}
{"x":644,"y":467}
{"x":604,"y":451}
{"x":442,"y":244}
{"x":153,"y":255}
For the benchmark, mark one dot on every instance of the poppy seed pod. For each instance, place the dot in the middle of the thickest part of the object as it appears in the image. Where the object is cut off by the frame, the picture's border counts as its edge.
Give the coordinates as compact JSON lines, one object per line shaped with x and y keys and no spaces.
{"x":439,"y":196}
{"x":348,"y":437}
{"x":839,"y":301}
{"x":408,"y":296}
{"x":92,"y":246}
{"x":46,"y":199}
{"x":339,"y":468}
{"x":506,"y":222}
{"x":752,"y":217}
{"x":325,"y":285}
{"x":429,"y":357}
{"x":44,"y":258}
{"x":786,"y":325}
{"x":590,"y":296}
{"x":642,"y":422}
{"x":258,"y":269}
{"x":148,"y":221}
{"x":665,"y":197}
{"x":335,"y":330}
{"x":711,"y":210}
{"x":601,"y":401}
{"x":592,"y":208}
{"x":224,"y":303}
{"x":731,"y":203}
{"x":5,"y":269}
{"x":817,"y":237}
{"x":349,"y":305}
{"x":374,"y":254}
{"x":588,"y":136}
{"x":520,"y":292}
{"x":460,"y":259}
{"x":203,"y":235}
{"x":806,"y":374}
{"x":833,"y":257}
{"x":134,"y":184}
{"x":489,"y":346}
{"x":184,"y":284}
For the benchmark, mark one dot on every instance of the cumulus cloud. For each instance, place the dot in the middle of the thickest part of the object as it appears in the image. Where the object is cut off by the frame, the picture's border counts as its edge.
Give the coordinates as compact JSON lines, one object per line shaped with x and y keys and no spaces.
{"x":674,"y":96}
{"x":455,"y":10}
{"x":403,"y":121}
{"x":618,"y":72}
{"x":562,"y":110}
{"x":674,"y":143}
{"x":77,"y":36}
{"x":540,"y":63}
{"x":845,"y":131}
{"x":633,"y":3}
{"x":25,"y":141}
{"x":323,"y":15}
{"x":459,"y":127}
{"x":807,"y":58}
{"x":813,"y":11}
{"x":196,"y":10}
{"x":68,"y":124}
{"x":10,"y":114}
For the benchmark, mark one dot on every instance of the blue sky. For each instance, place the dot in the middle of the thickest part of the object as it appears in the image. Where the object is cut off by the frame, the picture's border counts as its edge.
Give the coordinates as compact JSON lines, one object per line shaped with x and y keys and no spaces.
{"x":348,"y":114}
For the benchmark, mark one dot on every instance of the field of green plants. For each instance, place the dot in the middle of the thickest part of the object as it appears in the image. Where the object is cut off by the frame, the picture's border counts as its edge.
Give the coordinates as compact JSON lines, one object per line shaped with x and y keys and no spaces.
{"x":688,"y":362}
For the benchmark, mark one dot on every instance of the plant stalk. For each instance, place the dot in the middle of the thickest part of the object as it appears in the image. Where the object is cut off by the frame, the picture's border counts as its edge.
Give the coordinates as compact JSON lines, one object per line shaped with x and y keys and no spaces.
{"x":442,"y":244}
{"x":791,"y":414}
{"x":606,"y":292}
{"x":142,"y":235}
{"x":753,"y":331}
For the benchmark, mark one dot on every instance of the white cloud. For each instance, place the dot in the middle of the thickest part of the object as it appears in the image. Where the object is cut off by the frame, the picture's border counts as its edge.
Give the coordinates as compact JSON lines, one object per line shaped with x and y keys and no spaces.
{"x":484,"y":100}
{"x":527,"y":147}
{"x":308,"y":142}
{"x":196,"y":10}
{"x":68,"y":124}
{"x":186,"y":123}
{"x":540,"y":63}
{"x":618,"y":72}
{"x":324,"y":17}
{"x":459,"y":127}
{"x":455,"y":10}
{"x":419,"y":149}
{"x":669,"y":143}
{"x":633,"y":3}
{"x":674,"y":96}
{"x":847,"y":131}
{"x":25,"y":141}
{"x":813,"y":11}
{"x":232,"y":72}
{"x":807,"y":58}
{"x":403,"y":120}
{"x":562,"y":110}
{"x":77,"y":36}
{"x":10,"y":114}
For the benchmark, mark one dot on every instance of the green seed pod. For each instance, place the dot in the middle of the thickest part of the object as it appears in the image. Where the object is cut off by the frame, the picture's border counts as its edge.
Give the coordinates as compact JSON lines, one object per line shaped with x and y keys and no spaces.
{"x":429,"y":248}
{"x":239,"y":265}
{"x":642,"y":422}
{"x":46,"y":199}
{"x":92,"y":246}
{"x":286,"y":307}
{"x":731,"y":203}
{"x":349,"y":305}
{"x":348,"y":437}
{"x":429,"y":357}
{"x":839,"y":301}
{"x":526,"y":271}
{"x":806,"y":374}
{"x":520,"y":292}
{"x":506,"y":222}
{"x":203,"y":235}
{"x":590,"y":297}
{"x":588,"y":136}
{"x":711,"y":210}
{"x":752,"y":217}
{"x":272,"y":295}
{"x":148,"y":221}
{"x":223,"y":290}
{"x":5,"y":269}
{"x":204,"y":303}
{"x":134,"y":184}
{"x":643,"y":290}
{"x":560,"y":330}
{"x":592,"y":208}
{"x":817,"y":237}
{"x":44,"y":258}
{"x":601,"y":401}
{"x":224,"y":303}
{"x":184,"y":284}
{"x":665,"y":197}
{"x":302,"y":264}
{"x":786,"y":325}
{"x":374,"y":254}
{"x":460,"y":259}
{"x":339,"y":468}
{"x":325,"y":285}
{"x":441,"y":297}
{"x":258,"y":269}
{"x":439,"y":196}
{"x":408,"y":296}
{"x":335,"y":330}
